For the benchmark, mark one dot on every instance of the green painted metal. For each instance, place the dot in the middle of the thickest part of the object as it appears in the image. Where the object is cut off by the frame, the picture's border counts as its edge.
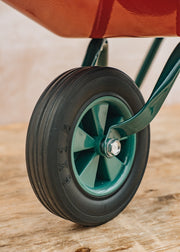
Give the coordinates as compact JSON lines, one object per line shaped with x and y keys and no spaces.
{"x":154,"y":103}
{"x":97,"y":174}
{"x":97,"y":53}
{"x":103,"y":57}
{"x":148,"y":61}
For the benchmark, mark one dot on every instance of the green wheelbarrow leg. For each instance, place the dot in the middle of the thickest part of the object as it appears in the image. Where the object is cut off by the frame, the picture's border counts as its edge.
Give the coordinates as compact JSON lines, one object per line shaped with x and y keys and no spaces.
{"x":154,"y":103}
{"x":97,"y":53}
{"x":147,"y":61}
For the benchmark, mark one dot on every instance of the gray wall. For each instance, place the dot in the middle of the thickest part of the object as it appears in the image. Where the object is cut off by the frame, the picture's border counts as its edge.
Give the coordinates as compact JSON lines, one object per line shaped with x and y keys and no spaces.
{"x":31,"y":56}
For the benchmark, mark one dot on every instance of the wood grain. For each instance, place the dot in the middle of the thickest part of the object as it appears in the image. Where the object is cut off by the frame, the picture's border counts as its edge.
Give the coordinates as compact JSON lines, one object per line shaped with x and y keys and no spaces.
{"x":151,"y":222}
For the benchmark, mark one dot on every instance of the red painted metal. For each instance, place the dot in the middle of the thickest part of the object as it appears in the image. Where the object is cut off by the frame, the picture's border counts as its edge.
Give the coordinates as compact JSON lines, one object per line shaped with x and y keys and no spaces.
{"x":104,"y":18}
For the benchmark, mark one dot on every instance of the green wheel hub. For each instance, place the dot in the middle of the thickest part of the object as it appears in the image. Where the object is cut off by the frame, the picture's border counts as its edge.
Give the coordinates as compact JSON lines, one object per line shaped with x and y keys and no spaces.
{"x":97,"y":173}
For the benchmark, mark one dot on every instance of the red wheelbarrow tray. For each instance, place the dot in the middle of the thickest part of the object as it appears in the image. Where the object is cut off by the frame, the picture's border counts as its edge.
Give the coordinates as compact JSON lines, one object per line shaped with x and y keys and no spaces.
{"x":104,"y":18}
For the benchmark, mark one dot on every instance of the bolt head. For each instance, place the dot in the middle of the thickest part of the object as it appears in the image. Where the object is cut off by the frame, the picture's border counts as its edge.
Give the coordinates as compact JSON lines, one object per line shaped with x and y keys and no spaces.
{"x":115,"y":147}
{"x":112,"y":147}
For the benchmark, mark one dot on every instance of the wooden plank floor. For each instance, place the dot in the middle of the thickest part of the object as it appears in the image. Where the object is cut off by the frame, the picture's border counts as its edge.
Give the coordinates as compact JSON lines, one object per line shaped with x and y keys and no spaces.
{"x":151,"y":222}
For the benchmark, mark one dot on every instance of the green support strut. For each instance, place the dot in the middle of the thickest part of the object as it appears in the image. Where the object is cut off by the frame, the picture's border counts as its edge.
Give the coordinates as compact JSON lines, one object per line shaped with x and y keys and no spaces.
{"x":97,"y":53}
{"x":154,"y":103}
{"x":147,"y":61}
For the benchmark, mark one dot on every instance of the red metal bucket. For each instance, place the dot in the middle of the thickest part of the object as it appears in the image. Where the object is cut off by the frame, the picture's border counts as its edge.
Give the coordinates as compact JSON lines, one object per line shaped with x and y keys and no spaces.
{"x":104,"y":18}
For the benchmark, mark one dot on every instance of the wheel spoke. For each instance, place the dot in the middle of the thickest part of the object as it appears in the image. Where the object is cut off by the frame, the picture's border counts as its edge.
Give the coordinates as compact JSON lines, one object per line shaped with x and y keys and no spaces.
{"x":99,"y":113}
{"x":88,"y":175}
{"x":82,"y":141}
{"x":113,"y":167}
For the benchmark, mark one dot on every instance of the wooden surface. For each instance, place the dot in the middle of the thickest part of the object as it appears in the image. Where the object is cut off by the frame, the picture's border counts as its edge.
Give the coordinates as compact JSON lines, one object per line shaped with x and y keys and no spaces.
{"x":151,"y":222}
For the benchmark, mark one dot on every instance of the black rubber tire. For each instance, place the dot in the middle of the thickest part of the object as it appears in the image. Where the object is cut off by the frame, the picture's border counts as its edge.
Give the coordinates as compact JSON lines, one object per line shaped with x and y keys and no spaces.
{"x":49,"y":142}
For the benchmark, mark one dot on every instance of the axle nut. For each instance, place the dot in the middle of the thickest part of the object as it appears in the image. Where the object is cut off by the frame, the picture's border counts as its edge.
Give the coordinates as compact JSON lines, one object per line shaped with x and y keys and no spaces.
{"x":113,"y":147}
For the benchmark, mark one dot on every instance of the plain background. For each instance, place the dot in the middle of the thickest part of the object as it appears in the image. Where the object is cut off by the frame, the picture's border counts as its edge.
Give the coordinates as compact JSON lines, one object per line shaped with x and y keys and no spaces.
{"x":31,"y":57}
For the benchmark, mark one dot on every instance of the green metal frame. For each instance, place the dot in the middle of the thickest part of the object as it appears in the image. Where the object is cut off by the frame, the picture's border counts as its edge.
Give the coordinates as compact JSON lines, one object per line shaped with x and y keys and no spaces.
{"x":154,"y":103}
{"x":148,"y":61}
{"x":97,"y":54}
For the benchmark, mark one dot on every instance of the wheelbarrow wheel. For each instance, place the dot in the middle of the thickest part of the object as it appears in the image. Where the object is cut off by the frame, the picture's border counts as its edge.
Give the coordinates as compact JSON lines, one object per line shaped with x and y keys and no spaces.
{"x":71,"y":171}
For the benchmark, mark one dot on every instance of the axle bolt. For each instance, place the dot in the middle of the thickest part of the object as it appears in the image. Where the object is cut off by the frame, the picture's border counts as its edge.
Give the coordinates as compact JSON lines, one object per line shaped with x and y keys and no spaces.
{"x":112,"y":147}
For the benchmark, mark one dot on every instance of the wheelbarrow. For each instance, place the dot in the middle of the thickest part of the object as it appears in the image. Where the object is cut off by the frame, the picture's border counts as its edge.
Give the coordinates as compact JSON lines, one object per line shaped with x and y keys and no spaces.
{"x":88,"y":139}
